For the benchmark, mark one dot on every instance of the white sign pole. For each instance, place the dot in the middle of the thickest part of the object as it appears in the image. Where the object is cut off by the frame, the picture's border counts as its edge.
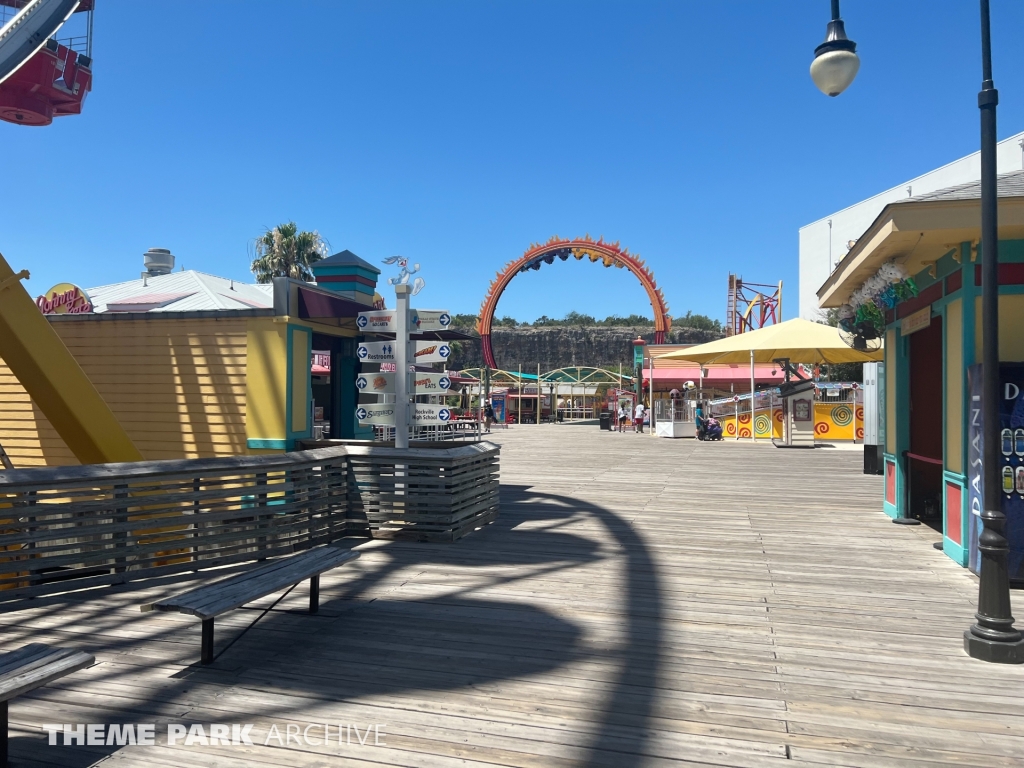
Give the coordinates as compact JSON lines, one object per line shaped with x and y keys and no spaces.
{"x":402,"y":367}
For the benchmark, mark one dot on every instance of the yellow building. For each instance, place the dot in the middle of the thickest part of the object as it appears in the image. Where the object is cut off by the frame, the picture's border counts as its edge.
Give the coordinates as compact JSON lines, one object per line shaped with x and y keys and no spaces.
{"x":197,"y":366}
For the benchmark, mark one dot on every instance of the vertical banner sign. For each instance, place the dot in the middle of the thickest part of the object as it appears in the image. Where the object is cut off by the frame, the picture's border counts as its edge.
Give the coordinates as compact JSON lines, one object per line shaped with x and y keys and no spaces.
{"x":975,"y":474}
{"x":1011,"y":464}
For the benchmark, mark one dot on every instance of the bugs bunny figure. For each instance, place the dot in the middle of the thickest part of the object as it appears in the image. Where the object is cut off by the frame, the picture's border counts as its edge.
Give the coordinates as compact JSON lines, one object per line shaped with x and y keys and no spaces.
{"x":405,"y":274}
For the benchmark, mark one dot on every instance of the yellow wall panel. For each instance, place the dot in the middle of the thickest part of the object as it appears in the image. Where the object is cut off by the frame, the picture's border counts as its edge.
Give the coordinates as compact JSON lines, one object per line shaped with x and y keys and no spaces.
{"x":178,"y":387}
{"x":954,"y":385}
{"x":890,"y":391}
{"x":301,"y":342}
{"x":266,"y":382}
{"x":1011,"y":340}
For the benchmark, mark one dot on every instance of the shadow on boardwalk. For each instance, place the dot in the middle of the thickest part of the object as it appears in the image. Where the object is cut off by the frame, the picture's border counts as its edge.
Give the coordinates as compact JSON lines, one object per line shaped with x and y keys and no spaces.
{"x":370,"y":643}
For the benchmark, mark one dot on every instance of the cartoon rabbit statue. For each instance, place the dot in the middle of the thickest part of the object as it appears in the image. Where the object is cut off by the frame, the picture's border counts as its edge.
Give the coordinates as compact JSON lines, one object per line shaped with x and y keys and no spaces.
{"x":405,"y":274}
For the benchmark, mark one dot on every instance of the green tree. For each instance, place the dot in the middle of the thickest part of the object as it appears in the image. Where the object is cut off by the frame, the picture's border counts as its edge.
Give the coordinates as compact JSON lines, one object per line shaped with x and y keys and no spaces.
{"x":700,"y":322}
{"x":575,"y":318}
{"x":285,"y":252}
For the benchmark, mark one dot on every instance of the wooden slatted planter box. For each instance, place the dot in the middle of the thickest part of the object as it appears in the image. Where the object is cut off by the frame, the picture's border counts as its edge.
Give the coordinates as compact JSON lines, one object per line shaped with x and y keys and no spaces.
{"x":65,"y":528}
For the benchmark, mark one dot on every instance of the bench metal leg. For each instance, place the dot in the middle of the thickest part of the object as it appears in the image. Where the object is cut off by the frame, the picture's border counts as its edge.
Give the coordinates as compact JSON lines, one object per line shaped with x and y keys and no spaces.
{"x":206,"y":655}
{"x":3,"y":734}
{"x":314,"y":594}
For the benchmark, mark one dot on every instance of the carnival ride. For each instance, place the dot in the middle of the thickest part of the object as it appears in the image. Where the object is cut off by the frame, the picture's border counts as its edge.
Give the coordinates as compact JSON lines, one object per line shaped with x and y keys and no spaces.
{"x":748,"y":308}
{"x":42,"y":76}
{"x":609,"y":254}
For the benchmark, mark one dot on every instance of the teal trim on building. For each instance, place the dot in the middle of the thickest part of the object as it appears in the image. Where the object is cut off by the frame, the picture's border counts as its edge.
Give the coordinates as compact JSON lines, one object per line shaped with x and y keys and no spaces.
{"x":266,"y":445}
{"x":348,"y":269}
{"x":347,"y":286}
{"x":307,"y":433}
{"x":956,"y":552}
{"x":892,"y":510}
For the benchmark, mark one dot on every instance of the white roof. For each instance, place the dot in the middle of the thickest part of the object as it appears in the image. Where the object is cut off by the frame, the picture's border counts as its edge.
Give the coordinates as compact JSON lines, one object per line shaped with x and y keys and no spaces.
{"x":187,"y":291}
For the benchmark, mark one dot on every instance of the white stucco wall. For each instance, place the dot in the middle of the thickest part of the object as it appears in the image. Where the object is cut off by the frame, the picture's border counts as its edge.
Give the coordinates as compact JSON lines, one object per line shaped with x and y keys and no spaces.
{"x":823,"y":242}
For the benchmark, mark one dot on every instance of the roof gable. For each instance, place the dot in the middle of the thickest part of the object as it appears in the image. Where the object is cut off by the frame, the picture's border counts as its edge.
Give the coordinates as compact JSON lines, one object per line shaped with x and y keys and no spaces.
{"x":343,"y":258}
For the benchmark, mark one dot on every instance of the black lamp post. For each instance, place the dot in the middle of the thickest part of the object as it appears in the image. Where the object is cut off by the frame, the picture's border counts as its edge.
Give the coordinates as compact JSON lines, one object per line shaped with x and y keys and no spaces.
{"x":835,"y":61}
{"x":992,"y":637}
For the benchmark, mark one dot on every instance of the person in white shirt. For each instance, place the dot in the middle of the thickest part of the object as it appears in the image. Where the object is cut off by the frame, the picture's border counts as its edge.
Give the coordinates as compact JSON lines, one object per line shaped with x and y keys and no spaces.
{"x":623,"y":415}
{"x":638,"y":418}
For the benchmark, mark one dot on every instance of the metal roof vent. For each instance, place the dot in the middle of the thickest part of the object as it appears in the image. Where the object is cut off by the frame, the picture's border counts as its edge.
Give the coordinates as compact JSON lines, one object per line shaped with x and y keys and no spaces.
{"x":158,"y":261}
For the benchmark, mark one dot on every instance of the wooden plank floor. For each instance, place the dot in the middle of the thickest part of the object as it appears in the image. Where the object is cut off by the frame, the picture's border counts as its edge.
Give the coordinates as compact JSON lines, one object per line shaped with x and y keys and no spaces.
{"x":640,"y":602}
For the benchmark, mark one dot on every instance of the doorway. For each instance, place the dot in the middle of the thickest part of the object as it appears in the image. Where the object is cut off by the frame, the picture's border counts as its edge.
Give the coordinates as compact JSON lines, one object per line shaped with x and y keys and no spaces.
{"x":924,"y":459}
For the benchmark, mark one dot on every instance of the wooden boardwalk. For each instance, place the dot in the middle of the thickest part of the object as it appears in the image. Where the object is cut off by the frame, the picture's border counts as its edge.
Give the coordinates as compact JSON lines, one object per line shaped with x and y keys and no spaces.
{"x":640,"y":602}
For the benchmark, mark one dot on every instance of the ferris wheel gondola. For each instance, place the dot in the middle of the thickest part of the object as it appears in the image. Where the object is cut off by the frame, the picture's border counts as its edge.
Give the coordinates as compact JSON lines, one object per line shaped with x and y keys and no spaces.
{"x":43,"y":76}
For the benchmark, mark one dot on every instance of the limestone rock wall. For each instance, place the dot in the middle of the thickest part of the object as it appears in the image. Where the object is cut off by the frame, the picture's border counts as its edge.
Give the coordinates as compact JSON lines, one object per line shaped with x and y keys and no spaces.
{"x":561,"y":346}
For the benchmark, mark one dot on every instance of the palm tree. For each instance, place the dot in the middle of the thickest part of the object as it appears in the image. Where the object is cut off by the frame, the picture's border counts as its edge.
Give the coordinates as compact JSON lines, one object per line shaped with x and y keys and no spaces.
{"x":285,"y":252}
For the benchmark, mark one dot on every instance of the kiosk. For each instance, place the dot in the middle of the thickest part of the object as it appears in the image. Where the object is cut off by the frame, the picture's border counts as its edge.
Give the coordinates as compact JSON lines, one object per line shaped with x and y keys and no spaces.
{"x":797,"y":393}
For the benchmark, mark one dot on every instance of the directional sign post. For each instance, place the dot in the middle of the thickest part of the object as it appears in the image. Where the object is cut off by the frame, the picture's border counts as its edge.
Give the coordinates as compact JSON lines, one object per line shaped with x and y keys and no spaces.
{"x":376,"y":383}
{"x":432,"y":319}
{"x":382,"y":415}
{"x":377,"y":351}
{"x":401,"y":359}
{"x":424,"y":414}
{"x":379,"y":321}
{"x":431,"y":352}
{"x":384,"y":383}
{"x":431,"y":383}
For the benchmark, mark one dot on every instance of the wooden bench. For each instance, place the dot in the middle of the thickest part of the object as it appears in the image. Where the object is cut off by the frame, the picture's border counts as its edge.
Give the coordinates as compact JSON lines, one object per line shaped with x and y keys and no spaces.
{"x":31,"y":667}
{"x":211,"y":600}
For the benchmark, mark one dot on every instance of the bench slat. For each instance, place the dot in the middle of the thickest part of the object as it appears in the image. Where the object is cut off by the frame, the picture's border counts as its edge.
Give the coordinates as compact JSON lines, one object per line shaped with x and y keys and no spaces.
{"x":260,"y":582}
{"x":211,"y":600}
{"x":35,"y":665}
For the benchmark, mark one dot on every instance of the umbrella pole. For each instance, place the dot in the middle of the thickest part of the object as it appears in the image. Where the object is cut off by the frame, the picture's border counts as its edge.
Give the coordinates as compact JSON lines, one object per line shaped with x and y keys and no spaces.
{"x":753,"y":430}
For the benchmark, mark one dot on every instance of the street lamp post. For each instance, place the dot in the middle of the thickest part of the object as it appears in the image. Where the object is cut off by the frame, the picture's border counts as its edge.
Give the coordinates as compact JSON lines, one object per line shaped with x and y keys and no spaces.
{"x":993,"y":636}
{"x":835,"y":61}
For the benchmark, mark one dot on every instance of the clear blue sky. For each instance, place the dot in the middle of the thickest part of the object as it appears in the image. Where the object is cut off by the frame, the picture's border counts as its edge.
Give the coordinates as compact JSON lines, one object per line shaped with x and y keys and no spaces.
{"x":456,"y":133}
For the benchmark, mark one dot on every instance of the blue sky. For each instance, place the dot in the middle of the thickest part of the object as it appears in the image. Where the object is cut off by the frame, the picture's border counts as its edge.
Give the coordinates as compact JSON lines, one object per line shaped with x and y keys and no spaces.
{"x":457,"y":133}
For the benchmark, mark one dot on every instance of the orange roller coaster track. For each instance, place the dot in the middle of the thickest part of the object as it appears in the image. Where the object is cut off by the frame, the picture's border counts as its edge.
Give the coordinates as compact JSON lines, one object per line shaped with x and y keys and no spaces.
{"x":609,"y":254}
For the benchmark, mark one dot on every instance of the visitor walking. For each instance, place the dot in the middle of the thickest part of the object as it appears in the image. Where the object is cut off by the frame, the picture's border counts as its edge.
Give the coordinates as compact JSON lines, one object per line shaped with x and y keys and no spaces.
{"x":488,"y":416}
{"x":699,"y":420}
{"x":638,"y":418}
{"x":622,"y":416}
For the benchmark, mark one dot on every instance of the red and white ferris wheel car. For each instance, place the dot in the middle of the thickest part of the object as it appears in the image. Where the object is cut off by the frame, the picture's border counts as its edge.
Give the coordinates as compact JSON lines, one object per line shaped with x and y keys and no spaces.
{"x":43,"y":75}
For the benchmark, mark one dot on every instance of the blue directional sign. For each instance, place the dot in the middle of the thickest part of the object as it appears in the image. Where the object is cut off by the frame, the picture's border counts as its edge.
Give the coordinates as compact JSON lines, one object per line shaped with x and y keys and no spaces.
{"x":376,"y":351}
{"x":362,"y":383}
{"x":362,"y":321}
{"x":444,"y":383}
{"x":444,"y":351}
{"x":361,"y":413}
{"x":444,"y":414}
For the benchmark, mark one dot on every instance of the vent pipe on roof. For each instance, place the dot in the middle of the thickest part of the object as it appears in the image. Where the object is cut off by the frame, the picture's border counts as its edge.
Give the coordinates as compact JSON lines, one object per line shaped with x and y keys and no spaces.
{"x":158,"y":261}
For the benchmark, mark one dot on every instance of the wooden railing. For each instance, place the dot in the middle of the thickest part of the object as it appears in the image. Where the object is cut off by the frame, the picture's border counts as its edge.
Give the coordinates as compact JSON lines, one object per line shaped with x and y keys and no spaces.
{"x":67,"y":528}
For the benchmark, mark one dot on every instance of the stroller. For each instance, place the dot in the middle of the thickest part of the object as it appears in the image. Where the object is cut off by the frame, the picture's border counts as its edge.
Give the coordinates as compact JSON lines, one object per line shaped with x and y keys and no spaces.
{"x":712,"y":429}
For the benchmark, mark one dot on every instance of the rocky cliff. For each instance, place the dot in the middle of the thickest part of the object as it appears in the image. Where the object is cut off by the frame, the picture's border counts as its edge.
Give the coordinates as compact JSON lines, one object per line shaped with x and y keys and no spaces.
{"x":562,"y":346}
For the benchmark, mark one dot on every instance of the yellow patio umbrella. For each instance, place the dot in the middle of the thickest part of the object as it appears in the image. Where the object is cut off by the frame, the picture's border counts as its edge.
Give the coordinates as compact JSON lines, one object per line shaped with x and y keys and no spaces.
{"x":799,"y":340}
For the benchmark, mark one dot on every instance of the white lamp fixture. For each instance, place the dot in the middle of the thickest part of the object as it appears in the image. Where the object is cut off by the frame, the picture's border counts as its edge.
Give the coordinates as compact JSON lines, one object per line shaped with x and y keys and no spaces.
{"x":835,"y":60}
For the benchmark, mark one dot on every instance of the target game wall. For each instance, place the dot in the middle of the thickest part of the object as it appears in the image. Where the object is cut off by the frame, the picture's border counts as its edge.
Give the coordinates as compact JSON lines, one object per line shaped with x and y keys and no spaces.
{"x":832,"y":421}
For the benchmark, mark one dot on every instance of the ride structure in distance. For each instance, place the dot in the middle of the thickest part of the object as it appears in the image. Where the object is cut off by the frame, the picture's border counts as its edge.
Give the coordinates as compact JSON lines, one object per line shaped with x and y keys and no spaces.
{"x":538,"y":254}
{"x":749,"y":308}
{"x":43,"y":76}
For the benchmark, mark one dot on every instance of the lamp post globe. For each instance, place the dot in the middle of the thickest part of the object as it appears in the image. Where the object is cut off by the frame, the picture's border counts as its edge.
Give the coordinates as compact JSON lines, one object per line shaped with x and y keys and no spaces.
{"x":835,"y":60}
